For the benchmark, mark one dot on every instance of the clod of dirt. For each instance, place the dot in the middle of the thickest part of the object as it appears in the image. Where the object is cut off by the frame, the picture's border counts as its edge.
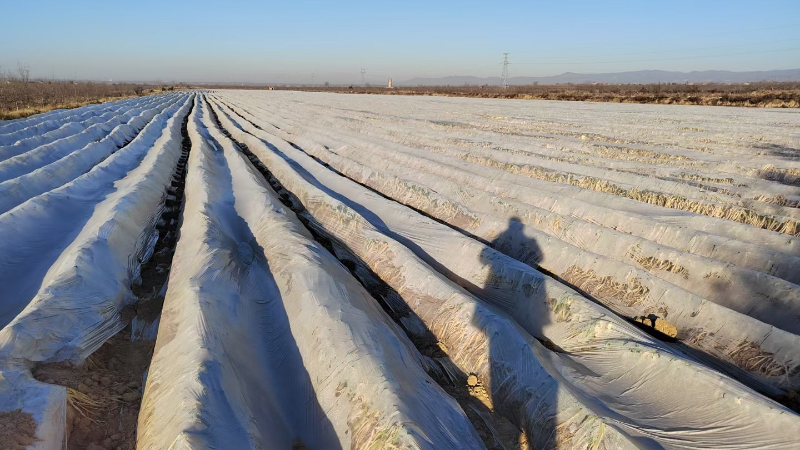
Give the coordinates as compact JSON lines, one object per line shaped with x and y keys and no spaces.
{"x":658,"y":324}
{"x":17,"y":430}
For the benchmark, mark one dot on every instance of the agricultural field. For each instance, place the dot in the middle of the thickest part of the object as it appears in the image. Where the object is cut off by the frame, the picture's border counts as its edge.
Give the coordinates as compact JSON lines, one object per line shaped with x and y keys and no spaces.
{"x":279,"y":269}
{"x":761,"y":94}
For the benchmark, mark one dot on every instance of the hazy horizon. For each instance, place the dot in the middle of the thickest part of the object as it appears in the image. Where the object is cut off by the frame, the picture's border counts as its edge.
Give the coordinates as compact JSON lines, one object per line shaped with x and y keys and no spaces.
{"x":313,"y":41}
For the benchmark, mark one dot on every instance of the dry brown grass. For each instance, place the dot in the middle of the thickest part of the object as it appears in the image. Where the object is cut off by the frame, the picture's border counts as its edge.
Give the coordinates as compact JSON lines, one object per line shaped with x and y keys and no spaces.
{"x":695,"y":177}
{"x":83,"y":404}
{"x":20,"y":99}
{"x":650,"y":264}
{"x":784,"y":176}
{"x":779,"y":200}
{"x":631,"y":154}
{"x":630,"y":293}
{"x":752,"y":358}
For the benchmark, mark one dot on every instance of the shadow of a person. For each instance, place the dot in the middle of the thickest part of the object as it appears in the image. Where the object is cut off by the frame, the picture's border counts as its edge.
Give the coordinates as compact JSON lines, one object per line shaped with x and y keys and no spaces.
{"x":513,"y":242}
{"x":510,"y":290}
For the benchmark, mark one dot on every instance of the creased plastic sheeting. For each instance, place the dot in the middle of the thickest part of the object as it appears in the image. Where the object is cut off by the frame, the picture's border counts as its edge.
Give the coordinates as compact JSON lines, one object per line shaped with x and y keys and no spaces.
{"x":9,"y":127}
{"x":748,"y":251}
{"x":265,"y":338}
{"x":625,"y":180}
{"x":115,"y":128}
{"x":82,"y":297}
{"x":634,"y":382}
{"x":758,"y":294}
{"x":689,"y":312}
{"x":705,"y":235}
{"x":91,"y":278}
{"x":14,"y":130}
{"x":634,"y":139}
{"x":70,"y":128}
{"x":37,"y":232}
{"x":17,"y":190}
{"x":478,"y":338}
{"x":730,"y":331}
{"x":635,"y":180}
{"x":39,"y":135}
{"x":659,"y":163}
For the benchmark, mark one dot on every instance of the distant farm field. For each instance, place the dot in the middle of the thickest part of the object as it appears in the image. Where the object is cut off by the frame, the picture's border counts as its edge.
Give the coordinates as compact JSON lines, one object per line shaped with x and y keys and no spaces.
{"x":283,"y":269}
{"x":760,"y":95}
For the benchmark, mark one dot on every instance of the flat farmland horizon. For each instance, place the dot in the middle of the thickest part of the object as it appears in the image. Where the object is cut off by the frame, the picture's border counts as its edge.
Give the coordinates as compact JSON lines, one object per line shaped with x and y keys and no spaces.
{"x":221,"y":268}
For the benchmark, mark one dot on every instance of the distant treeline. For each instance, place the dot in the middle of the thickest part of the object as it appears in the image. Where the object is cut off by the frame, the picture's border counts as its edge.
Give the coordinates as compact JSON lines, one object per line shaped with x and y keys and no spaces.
{"x":763,"y":94}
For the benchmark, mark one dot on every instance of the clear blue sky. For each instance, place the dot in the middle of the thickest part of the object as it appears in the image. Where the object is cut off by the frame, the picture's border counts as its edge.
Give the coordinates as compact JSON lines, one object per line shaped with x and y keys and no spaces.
{"x":290,"y":40}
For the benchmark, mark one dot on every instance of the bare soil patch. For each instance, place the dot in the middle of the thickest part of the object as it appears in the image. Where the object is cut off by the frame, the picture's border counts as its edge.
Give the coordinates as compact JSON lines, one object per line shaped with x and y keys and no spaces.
{"x":104,"y":394}
{"x":17,"y":430}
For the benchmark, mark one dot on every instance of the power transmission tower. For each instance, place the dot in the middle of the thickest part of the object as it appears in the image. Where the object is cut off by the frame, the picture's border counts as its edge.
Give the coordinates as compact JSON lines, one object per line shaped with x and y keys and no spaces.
{"x":363,"y":79}
{"x":505,"y":70}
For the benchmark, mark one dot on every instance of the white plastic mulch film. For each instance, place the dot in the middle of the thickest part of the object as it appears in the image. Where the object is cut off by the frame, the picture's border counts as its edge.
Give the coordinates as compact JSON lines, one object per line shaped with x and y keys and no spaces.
{"x":579,"y":254}
{"x":267,"y":340}
{"x":633,"y":382}
{"x":71,"y":250}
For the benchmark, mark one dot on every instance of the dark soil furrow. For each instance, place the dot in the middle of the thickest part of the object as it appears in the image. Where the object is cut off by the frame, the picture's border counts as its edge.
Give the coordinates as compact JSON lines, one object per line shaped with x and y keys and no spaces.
{"x":104,"y":393}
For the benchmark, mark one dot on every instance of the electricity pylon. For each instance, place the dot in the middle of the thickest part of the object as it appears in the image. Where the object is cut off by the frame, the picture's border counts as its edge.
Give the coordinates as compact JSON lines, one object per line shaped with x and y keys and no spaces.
{"x":505,"y":70}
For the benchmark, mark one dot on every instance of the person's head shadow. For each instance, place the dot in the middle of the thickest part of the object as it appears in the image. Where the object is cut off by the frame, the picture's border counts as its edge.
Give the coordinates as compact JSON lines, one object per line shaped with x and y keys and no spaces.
{"x":513,"y":290}
{"x":513,"y":242}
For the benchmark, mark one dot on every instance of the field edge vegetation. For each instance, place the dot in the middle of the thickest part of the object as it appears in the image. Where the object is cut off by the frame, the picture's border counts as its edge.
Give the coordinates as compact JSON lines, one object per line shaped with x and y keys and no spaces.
{"x":21,"y":97}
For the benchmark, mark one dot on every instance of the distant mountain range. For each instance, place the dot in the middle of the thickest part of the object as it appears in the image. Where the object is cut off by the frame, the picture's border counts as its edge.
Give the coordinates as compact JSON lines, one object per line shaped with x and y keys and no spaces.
{"x":637,"y":77}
